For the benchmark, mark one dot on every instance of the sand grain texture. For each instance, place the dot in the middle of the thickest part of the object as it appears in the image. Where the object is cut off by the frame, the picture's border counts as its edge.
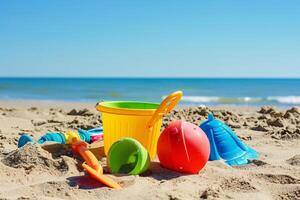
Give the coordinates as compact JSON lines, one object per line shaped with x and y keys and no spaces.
{"x":33,"y":173}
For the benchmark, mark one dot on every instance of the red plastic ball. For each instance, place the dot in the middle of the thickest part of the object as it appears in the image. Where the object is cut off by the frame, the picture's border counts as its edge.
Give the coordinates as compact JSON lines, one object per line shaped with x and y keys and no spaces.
{"x":183,"y":147}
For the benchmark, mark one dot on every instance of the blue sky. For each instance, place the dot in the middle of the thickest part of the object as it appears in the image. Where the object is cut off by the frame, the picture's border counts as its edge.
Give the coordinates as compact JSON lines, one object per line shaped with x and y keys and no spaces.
{"x":165,"y":38}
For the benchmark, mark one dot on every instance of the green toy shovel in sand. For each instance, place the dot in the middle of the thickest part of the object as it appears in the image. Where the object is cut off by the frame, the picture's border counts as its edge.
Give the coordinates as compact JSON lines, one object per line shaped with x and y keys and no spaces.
{"x":128,"y":156}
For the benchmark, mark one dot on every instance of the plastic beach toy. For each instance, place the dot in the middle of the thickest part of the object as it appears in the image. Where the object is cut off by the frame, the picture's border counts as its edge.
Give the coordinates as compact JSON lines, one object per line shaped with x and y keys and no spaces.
{"x":24,"y":139}
{"x":128,"y":156}
{"x":138,"y":120}
{"x":71,"y":135}
{"x":224,"y":144}
{"x":91,"y":164}
{"x":88,"y":136}
{"x":51,"y":136}
{"x":96,"y":134}
{"x":183,"y":147}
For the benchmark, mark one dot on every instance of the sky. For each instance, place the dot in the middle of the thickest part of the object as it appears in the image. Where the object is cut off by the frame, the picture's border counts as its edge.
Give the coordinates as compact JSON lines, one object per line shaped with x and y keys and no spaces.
{"x":157,"y":38}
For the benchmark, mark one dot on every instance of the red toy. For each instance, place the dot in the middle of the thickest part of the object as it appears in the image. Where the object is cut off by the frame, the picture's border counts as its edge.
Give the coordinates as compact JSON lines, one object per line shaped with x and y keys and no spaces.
{"x":183,"y":147}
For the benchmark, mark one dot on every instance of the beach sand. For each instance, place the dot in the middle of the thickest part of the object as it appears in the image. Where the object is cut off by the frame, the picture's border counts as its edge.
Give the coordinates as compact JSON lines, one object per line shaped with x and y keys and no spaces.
{"x":33,"y":173}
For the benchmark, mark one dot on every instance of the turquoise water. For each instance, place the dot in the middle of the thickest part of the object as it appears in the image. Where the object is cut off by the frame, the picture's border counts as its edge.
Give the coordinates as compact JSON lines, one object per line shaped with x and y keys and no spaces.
{"x":280,"y":92}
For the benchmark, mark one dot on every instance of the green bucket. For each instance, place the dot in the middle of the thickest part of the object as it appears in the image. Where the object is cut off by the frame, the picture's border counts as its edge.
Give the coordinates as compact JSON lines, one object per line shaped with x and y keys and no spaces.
{"x":128,"y":156}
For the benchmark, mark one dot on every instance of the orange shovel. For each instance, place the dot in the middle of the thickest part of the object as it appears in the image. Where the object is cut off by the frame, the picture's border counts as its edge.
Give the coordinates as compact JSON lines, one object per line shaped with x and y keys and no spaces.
{"x":91,"y":164}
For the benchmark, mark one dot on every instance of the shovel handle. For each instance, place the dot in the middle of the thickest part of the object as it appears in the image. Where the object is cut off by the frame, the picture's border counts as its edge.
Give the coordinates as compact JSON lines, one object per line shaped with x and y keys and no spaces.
{"x":165,"y":107}
{"x":90,"y":159}
{"x":101,"y":177}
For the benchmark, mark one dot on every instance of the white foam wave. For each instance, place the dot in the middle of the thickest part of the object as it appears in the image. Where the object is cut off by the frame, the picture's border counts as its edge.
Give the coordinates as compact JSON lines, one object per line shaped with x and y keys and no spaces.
{"x":285,"y":99}
{"x":214,"y":99}
{"x":240,"y":100}
{"x":250,"y":99}
{"x":200,"y":99}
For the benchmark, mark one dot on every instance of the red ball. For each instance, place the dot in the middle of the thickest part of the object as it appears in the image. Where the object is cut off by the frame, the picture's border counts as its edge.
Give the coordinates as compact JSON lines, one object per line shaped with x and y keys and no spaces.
{"x":183,"y":147}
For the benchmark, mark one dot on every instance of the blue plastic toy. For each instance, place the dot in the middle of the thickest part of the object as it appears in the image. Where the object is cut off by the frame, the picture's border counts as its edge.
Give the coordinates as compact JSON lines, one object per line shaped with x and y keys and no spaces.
{"x":88,"y":136}
{"x":94,"y":134}
{"x":55,"y":137}
{"x":24,"y":139}
{"x":224,"y":144}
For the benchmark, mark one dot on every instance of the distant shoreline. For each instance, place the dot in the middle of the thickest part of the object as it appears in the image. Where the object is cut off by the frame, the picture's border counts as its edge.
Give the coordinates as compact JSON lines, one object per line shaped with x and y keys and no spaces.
{"x":24,"y":103}
{"x":197,"y":91}
{"x":140,"y":77}
{"x":46,"y":104}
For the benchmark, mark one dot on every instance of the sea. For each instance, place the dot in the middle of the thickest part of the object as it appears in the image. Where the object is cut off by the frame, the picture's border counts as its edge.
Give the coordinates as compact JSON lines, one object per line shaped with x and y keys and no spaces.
{"x":197,"y":91}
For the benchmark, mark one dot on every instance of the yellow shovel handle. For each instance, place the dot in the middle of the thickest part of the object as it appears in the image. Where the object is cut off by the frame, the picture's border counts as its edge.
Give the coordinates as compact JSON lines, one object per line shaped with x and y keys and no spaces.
{"x":165,"y":107}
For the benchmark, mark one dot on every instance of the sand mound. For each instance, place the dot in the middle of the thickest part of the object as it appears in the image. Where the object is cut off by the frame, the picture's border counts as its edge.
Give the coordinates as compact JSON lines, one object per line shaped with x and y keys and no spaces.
{"x":292,"y":195}
{"x":237,"y":184}
{"x":295,"y":160}
{"x":196,"y":115}
{"x":279,"y":178}
{"x":32,"y":156}
{"x":286,"y":133}
{"x":190,"y":114}
{"x":282,"y":125}
{"x":83,"y":112}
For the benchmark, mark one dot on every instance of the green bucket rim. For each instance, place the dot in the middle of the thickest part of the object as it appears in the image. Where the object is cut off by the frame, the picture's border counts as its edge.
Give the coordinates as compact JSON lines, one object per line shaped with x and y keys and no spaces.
{"x":127,"y":107}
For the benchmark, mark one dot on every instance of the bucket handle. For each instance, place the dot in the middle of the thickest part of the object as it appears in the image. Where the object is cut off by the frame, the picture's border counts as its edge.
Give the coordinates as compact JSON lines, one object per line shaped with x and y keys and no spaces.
{"x":165,"y":107}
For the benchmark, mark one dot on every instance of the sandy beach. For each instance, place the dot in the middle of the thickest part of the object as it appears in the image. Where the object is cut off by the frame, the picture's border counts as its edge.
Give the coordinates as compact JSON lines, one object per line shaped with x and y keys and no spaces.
{"x":201,"y":61}
{"x":33,"y":173}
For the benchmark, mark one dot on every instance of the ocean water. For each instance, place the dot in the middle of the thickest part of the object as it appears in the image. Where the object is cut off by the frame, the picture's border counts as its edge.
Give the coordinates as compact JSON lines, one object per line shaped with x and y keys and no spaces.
{"x":250,"y":92}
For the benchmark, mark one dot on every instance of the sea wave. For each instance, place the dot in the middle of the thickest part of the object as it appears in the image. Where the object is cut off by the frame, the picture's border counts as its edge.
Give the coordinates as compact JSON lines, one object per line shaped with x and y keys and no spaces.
{"x":224,"y":100}
{"x":241,"y":100}
{"x":200,"y":99}
{"x":285,"y":99}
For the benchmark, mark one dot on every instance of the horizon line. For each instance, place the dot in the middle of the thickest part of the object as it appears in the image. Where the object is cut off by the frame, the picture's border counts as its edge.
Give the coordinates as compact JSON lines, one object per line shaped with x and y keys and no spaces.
{"x":148,"y":77}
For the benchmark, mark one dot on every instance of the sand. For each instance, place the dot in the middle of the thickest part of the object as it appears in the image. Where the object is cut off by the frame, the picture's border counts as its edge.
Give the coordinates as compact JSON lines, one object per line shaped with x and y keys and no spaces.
{"x":33,"y":173}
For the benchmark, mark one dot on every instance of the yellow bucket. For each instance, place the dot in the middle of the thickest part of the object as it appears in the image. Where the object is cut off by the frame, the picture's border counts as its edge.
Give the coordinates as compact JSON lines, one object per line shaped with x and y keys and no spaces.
{"x":139,"y":120}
